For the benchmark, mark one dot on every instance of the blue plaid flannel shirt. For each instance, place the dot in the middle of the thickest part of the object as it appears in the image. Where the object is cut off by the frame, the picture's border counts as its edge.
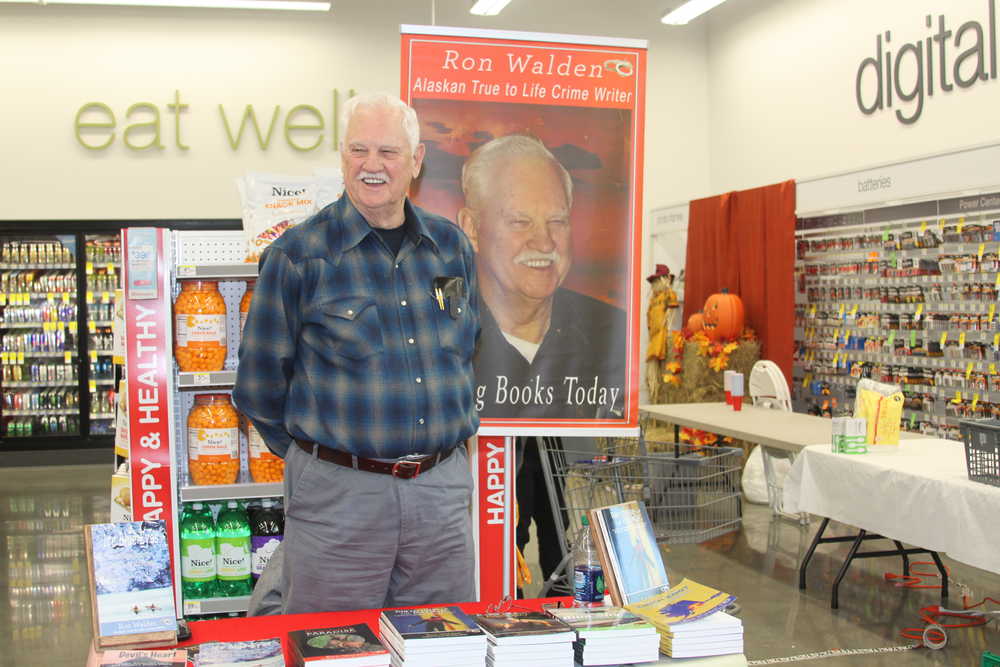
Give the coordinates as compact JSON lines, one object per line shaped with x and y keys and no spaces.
{"x":346,"y":345}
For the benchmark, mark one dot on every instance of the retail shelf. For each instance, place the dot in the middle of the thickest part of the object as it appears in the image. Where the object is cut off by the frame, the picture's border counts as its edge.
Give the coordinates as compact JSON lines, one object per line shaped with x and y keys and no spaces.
{"x":60,"y":353}
{"x":101,"y":323}
{"x":244,"y":491}
{"x":978,"y":366}
{"x":63,"y":265}
{"x":102,"y":415}
{"x":216,"y":605}
{"x":187,"y":380}
{"x":217,"y":271}
{"x":40,"y":383}
{"x":28,"y":325}
{"x":41,"y":412}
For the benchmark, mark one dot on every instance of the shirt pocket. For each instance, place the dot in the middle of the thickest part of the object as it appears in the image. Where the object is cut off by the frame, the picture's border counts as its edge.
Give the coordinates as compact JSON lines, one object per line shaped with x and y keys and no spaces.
{"x":456,"y":334}
{"x":350,"y":326}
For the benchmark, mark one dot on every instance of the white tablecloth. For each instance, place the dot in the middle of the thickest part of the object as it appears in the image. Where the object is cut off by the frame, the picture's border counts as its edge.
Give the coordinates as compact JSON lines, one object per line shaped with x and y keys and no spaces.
{"x":918,"y":492}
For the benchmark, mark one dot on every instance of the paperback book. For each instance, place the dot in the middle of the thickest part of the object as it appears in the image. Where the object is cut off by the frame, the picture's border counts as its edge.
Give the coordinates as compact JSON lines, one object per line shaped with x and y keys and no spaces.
{"x":143,"y":658}
{"x":131,"y":590}
{"x":524,"y":627}
{"x":432,"y":636}
{"x":343,"y":646}
{"x":256,"y":653}
{"x":685,"y":602}
{"x":630,"y":555}
{"x":603,"y":622}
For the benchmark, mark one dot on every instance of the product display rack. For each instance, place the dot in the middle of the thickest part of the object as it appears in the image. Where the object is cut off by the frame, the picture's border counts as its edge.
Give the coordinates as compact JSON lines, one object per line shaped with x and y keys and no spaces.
{"x":906,"y":295}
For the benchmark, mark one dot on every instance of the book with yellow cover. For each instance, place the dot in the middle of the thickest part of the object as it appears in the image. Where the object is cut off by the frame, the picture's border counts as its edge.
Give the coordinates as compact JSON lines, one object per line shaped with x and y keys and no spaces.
{"x":687,"y":601}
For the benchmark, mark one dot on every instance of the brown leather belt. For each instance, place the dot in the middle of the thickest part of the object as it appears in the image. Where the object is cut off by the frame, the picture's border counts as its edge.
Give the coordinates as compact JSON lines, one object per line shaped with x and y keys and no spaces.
{"x":404,"y":468}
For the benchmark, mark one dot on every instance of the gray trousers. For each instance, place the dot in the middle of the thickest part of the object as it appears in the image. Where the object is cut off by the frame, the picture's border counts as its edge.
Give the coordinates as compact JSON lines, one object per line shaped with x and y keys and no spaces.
{"x":361,"y":540}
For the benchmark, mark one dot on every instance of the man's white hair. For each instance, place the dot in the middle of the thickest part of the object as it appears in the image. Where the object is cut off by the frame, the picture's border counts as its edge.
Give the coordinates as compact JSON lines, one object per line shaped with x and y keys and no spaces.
{"x":411,"y":126}
{"x":478,"y":167}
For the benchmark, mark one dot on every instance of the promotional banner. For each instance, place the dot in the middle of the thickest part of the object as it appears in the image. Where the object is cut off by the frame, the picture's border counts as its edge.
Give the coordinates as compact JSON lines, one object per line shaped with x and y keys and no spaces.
{"x":492,"y":461}
{"x":534,"y":148}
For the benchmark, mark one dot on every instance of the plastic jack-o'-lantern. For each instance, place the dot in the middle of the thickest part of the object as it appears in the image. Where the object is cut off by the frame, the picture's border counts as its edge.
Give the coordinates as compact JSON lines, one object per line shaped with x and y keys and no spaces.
{"x":696,"y":323}
{"x":723,"y":316}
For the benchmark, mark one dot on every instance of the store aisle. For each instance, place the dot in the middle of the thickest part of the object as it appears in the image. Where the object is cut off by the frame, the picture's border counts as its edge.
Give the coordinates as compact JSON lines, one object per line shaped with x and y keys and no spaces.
{"x":44,"y":604}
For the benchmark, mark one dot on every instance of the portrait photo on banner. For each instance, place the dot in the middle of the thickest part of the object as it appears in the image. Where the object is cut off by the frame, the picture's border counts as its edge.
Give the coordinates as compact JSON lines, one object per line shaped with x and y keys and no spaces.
{"x":543,"y":193}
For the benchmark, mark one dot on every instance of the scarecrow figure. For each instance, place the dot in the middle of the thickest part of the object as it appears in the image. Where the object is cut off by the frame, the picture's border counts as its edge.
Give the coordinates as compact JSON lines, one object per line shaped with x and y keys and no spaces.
{"x":662,"y":304}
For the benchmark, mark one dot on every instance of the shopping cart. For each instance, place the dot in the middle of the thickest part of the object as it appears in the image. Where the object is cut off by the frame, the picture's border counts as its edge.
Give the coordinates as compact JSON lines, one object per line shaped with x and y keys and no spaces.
{"x":691,"y":494}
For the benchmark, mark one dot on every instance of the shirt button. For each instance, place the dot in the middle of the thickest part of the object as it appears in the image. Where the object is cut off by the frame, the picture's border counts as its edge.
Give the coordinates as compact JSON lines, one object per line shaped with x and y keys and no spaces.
{"x":410,"y":341}
{"x":420,"y":421}
{"x":403,"y":302}
{"x":350,"y":312}
{"x":459,"y":310}
{"x":419,"y":380}
{"x":397,"y":266}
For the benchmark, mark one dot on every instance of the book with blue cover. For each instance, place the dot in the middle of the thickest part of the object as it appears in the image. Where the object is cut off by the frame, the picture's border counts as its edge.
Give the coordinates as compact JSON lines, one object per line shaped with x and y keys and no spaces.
{"x":131,"y":587}
{"x":630,"y":554}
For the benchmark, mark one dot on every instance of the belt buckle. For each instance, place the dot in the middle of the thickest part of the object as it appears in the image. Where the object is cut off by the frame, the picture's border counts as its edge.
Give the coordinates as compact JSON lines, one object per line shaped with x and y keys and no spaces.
{"x":407,"y":468}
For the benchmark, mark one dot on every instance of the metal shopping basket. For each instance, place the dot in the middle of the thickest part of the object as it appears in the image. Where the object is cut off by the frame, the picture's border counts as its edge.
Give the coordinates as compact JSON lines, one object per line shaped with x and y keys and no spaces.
{"x":691,"y":494}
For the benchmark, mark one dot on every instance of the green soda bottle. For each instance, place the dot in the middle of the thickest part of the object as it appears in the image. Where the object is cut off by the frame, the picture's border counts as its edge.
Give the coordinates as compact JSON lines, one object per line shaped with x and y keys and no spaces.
{"x":198,"y":552}
{"x":232,"y":551}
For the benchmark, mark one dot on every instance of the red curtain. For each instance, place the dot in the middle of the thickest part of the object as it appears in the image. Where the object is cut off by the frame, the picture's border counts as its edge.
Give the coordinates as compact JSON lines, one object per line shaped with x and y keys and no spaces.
{"x":745,"y":241}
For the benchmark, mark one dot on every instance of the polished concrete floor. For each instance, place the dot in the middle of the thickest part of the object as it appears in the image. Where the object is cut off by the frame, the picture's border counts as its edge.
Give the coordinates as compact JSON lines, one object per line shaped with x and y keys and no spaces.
{"x":45,"y":614}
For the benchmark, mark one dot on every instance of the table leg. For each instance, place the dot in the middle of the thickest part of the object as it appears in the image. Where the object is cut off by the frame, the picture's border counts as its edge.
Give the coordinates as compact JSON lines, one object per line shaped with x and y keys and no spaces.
{"x":677,"y":440}
{"x":944,"y":575}
{"x":809,"y":553}
{"x":835,"y":597}
{"x":906,"y":559}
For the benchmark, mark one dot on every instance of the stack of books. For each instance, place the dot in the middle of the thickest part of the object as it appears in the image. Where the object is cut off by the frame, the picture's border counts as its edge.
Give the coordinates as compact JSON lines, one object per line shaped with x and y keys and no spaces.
{"x":432,"y":637}
{"x":691,"y":622}
{"x":518,"y":638}
{"x":342,"y":646}
{"x":610,"y":636}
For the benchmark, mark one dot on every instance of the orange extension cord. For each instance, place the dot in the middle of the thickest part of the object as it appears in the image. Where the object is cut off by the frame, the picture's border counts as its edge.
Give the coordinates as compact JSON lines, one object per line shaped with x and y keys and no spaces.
{"x":933,"y":635}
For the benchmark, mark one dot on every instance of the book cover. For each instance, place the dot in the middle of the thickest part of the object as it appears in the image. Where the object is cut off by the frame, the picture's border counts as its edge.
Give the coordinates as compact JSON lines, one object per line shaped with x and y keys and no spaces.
{"x":256,"y":653}
{"x":521,"y":624}
{"x":608,"y":620}
{"x":144,"y":658}
{"x":132,"y":591}
{"x":430,"y":623}
{"x":685,"y":602}
{"x":633,"y":555}
{"x":346,"y":643}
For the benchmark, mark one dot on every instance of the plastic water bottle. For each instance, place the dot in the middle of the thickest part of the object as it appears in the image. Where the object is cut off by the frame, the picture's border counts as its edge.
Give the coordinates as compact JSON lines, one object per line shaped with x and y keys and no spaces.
{"x":232,"y":551}
{"x":198,"y":552}
{"x":588,"y":577}
{"x":267,"y":527}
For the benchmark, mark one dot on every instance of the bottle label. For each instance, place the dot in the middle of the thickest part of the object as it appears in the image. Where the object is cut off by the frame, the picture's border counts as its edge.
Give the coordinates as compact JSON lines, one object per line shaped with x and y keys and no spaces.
{"x":263,"y":548}
{"x":201,"y":329}
{"x":197,"y":559}
{"x":255,"y":443}
{"x":233,"y":558}
{"x":213,"y":442}
{"x":588,"y":584}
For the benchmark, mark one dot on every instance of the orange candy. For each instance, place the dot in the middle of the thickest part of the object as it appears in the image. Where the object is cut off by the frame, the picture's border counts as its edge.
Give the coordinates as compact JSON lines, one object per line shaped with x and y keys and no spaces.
{"x":200,"y":327}
{"x":213,"y":441}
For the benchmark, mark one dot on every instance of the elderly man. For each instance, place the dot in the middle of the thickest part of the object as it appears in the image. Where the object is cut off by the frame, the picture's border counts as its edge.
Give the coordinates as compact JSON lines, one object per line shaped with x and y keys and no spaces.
{"x":356,"y":367}
{"x":546,"y":351}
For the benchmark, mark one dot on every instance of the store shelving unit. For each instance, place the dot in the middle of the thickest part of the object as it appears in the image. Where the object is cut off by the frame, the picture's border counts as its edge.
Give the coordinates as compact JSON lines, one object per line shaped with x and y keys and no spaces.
{"x":902,"y":294}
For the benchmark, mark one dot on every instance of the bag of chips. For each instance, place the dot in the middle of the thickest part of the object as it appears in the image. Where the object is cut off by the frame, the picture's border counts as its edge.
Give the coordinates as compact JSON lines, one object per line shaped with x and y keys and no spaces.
{"x":273,"y":204}
{"x":882,"y":405}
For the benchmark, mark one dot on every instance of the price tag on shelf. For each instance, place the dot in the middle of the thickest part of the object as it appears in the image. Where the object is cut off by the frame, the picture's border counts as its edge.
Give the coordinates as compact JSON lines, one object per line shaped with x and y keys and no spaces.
{"x":65,"y":297}
{"x":72,"y":326}
{"x":50,"y":297}
{"x":201,"y":378}
{"x":192,"y":607}
{"x":185,"y":271}
{"x":105,"y":297}
{"x":892,"y":339}
{"x":812,"y":310}
{"x":847,"y":336}
{"x":93,"y":386}
{"x":93,"y":355}
{"x":91,"y":326}
{"x":836,"y":335}
{"x":67,"y":357}
{"x":968,"y":370}
{"x":993,"y":311}
{"x":997,"y":283}
{"x":923,"y":226}
{"x":958,"y":397}
{"x":975,"y":401}
{"x":89,"y":268}
{"x":920,"y":311}
{"x":48,"y":327}
{"x":961,"y":225}
{"x":3,"y":358}
{"x":111,"y":269}
{"x":996,"y":341}
{"x":20,"y":357}
{"x":806,"y":380}
{"x":944,"y":339}
{"x":60,"y":325}
{"x":993,"y":369}
{"x":854,"y":311}
{"x":982,"y":251}
{"x":90,"y":297}
{"x":836,"y":358}
{"x":961,"y":340}
{"x":840,"y":312}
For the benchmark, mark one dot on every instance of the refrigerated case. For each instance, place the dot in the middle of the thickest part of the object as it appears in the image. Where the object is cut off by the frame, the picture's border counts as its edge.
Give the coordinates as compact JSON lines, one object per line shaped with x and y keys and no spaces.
{"x":57,"y":293}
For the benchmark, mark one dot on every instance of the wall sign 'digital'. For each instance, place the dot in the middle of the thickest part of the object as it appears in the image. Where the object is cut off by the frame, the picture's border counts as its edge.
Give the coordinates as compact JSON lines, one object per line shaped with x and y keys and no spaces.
{"x":948,"y":53}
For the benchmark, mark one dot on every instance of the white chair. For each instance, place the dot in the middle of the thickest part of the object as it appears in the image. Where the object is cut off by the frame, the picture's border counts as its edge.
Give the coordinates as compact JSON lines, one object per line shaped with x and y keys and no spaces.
{"x":768,"y":389}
